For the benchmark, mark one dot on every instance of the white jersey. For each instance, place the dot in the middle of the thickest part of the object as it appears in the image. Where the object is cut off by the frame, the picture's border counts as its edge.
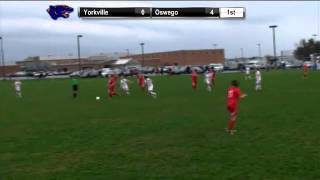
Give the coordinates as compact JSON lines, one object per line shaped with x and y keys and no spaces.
{"x":258,"y":76}
{"x":124,"y":84}
{"x":208,"y":77}
{"x":17,"y":85}
{"x":149,"y":84}
{"x":247,"y":70}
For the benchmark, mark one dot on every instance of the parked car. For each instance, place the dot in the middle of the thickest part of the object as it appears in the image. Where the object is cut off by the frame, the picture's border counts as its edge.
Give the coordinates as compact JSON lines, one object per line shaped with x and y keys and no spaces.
{"x":175,"y":70}
{"x":51,"y":73}
{"x":93,"y":73}
{"x":147,"y":70}
{"x":61,"y":73}
{"x":133,"y":71}
{"x":84,"y":74}
{"x":21,"y":74}
{"x":198,"y":69}
{"x":253,"y":65}
{"x":180,"y":70}
{"x":217,"y":67}
{"x":127,"y":72}
{"x":40,"y":74}
{"x":75,"y":74}
{"x":308,"y":63}
{"x":88,"y":73}
{"x":167,"y":69}
{"x":285,"y":64}
{"x":118,"y":71}
{"x":106,"y":72}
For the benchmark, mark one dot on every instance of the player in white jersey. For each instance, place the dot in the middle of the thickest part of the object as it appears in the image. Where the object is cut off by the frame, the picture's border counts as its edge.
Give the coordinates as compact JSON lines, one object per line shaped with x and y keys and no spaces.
{"x":149,"y":84}
{"x":124,"y":85}
{"x":208,"y":80}
{"x":258,"y":80}
{"x":248,"y":76}
{"x":17,"y":86}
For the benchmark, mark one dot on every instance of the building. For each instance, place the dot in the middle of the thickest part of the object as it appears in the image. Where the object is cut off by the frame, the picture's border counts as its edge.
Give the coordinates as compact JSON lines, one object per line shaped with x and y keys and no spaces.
{"x":72,"y":63}
{"x":67,"y":63}
{"x":181,"y":57}
{"x":8,"y":69}
{"x":125,"y":63}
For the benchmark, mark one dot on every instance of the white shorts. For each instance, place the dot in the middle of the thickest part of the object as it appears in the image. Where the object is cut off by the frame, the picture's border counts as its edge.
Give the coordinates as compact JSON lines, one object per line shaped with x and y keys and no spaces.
{"x":125,"y":88}
{"x":18,"y":89}
{"x":150,"y":89}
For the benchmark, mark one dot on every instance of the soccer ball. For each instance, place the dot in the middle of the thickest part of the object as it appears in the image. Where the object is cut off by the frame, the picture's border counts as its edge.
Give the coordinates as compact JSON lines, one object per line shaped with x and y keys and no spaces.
{"x":97,"y":98}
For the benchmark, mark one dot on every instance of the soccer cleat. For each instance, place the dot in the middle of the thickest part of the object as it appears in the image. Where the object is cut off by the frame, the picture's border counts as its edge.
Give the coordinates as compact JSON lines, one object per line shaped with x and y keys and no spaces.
{"x":232,"y":132}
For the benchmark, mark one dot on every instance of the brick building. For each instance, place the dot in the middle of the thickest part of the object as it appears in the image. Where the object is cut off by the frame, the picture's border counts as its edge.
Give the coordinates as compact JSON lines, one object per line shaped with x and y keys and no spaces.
{"x":181,"y":57}
{"x":8,"y":69}
{"x":67,"y":63}
{"x":71,"y":63}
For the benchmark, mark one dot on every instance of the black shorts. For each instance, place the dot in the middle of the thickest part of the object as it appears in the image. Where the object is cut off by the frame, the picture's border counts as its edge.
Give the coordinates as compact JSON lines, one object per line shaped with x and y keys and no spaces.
{"x":75,"y":87}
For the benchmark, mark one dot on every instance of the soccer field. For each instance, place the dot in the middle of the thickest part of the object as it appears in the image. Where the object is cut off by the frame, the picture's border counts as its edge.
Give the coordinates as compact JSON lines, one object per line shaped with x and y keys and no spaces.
{"x":179,"y":135}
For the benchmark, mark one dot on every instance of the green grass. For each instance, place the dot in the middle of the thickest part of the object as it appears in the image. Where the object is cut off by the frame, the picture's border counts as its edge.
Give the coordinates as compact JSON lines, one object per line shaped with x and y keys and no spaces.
{"x":48,"y":135}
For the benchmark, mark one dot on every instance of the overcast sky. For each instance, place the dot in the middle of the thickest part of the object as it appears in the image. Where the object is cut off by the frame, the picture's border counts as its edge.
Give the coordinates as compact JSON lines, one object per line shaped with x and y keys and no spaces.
{"x":28,"y":30}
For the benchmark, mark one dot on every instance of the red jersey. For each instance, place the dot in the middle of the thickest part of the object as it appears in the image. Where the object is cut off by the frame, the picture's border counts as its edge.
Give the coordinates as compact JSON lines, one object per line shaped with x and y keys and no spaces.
{"x":194,"y":76}
{"x":213,"y":77}
{"x":305,"y":68}
{"x":141,"y":80}
{"x":233,"y":96}
{"x":112,"y":82}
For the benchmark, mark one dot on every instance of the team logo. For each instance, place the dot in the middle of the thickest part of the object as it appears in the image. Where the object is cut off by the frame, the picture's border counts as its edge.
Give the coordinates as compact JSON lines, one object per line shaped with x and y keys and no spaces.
{"x":59,"y":11}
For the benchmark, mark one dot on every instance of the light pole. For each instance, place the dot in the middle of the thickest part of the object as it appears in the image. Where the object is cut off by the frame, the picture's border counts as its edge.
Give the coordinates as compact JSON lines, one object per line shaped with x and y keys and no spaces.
{"x":273,"y":27}
{"x":142,"y":53}
{"x":318,"y":18}
{"x":259,"y":49}
{"x":2,"y":59}
{"x":241,"y":50}
{"x":78,"y":44}
{"x":215,"y":45}
{"x":314,"y":37}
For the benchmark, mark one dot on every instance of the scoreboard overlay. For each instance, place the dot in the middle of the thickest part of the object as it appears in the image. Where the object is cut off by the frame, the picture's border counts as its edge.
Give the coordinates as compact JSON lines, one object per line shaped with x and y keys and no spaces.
{"x":162,"y":12}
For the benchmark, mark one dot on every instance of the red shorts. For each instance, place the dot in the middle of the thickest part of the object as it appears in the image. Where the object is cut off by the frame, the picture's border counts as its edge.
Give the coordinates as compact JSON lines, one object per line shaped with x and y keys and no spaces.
{"x":111,"y":88}
{"x":232,"y":109}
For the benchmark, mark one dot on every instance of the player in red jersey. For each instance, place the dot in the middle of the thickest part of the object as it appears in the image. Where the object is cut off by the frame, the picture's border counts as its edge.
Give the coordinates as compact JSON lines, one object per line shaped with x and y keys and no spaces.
{"x":233,"y":98}
{"x":141,"y":81}
{"x":305,"y":70}
{"x":213,"y":77}
{"x":194,"y":77}
{"x":112,"y":85}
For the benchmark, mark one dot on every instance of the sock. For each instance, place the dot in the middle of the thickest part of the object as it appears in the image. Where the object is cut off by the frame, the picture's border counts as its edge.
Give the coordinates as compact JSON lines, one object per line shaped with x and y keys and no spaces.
{"x":231,"y":124}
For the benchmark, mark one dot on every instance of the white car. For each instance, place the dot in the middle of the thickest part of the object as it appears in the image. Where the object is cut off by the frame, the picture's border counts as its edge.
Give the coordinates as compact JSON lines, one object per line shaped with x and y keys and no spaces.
{"x":106,"y":72}
{"x":217,"y":67}
{"x":308,"y":63}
